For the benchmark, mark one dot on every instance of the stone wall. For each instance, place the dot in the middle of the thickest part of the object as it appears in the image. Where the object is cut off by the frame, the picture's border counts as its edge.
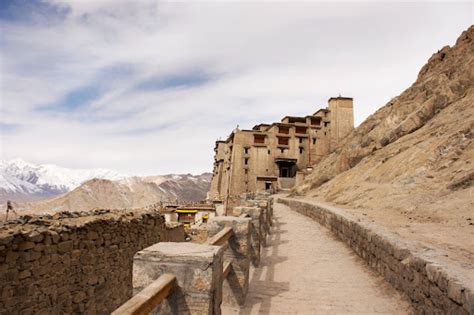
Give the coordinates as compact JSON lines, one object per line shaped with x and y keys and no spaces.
{"x":431,"y":286}
{"x":75,"y":262}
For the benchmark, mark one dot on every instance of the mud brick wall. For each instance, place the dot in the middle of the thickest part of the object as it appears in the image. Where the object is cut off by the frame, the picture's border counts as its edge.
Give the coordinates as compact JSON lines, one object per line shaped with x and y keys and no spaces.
{"x":433,"y":288}
{"x":75,"y":262}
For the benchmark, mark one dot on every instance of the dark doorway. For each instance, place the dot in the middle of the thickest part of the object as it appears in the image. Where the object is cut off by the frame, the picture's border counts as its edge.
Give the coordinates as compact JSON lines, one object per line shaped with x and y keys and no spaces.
{"x":287,"y":168}
{"x":268,"y":185}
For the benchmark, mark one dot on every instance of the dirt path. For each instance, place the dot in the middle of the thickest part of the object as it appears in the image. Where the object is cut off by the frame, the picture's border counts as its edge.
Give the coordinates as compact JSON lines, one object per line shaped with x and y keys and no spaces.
{"x":305,"y":270}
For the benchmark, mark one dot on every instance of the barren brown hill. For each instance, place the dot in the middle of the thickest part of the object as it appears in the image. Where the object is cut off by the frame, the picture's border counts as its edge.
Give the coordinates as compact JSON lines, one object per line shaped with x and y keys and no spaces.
{"x":409,"y":166}
{"x":132,"y":192}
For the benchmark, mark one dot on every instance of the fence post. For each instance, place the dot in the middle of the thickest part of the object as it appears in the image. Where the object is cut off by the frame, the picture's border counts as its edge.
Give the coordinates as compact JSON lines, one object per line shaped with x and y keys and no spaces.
{"x":266,"y":207}
{"x":257,"y":231}
{"x":198,"y":271}
{"x":235,"y":286}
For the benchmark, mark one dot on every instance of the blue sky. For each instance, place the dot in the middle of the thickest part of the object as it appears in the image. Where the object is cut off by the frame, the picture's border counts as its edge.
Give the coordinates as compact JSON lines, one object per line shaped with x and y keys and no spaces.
{"x":146,"y":87}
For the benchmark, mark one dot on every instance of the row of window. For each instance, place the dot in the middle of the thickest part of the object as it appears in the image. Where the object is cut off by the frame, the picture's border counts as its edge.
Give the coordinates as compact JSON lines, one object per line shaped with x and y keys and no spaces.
{"x":260,"y":139}
{"x":315,"y":121}
{"x":246,"y":160}
{"x":285,"y":141}
{"x":298,"y":129}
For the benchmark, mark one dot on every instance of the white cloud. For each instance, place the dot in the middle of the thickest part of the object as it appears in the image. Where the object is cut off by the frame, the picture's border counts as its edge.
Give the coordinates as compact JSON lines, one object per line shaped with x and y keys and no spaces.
{"x":261,"y":61}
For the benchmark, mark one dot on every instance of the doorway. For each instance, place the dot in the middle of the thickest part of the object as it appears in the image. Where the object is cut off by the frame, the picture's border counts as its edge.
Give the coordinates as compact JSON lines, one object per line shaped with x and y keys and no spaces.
{"x":268,"y":185}
{"x":286,"y":168}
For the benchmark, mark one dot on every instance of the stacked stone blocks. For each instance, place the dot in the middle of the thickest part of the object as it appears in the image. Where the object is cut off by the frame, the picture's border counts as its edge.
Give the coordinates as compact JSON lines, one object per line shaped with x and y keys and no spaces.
{"x":235,"y":287}
{"x":198,"y":270}
{"x":257,"y":234}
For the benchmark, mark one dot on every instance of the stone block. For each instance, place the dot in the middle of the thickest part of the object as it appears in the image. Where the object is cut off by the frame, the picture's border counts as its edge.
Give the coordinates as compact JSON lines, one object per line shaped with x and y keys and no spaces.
{"x":65,"y":247}
{"x":198,"y":270}
{"x":26,"y":245}
{"x":455,"y":290}
{"x":24,"y":274}
{"x":257,"y":235}
{"x":235,"y":287}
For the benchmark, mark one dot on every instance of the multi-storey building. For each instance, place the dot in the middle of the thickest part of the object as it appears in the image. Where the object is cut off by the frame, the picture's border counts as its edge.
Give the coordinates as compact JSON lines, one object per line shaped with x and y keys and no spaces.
{"x":271,"y":155}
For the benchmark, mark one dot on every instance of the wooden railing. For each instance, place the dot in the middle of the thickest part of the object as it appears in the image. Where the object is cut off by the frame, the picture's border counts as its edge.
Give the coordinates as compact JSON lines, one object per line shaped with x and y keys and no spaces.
{"x":149,"y":298}
{"x":221,"y":238}
{"x":226,"y":269}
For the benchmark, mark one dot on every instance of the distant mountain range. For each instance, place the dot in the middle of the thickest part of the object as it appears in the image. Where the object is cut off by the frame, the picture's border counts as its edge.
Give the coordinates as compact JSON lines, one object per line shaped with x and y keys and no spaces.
{"x":50,"y":188}
{"x":23,"y":181}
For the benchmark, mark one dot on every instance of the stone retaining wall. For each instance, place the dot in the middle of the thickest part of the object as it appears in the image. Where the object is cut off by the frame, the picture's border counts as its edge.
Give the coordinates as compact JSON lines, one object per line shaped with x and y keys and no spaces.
{"x":431,"y":286}
{"x":75,"y":262}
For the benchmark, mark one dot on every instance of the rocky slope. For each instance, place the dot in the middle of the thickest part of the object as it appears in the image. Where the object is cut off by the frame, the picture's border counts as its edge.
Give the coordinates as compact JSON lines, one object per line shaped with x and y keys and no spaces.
{"x":410,"y":165}
{"x":131,"y":192}
{"x":420,"y":141}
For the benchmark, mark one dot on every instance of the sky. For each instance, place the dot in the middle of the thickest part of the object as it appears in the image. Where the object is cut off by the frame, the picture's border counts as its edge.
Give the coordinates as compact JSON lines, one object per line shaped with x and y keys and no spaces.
{"x":146,"y":87}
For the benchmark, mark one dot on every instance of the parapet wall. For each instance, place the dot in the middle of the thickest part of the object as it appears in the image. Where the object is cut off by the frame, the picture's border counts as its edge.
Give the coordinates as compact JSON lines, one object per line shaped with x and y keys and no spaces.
{"x":75,"y":262}
{"x":431,"y":286}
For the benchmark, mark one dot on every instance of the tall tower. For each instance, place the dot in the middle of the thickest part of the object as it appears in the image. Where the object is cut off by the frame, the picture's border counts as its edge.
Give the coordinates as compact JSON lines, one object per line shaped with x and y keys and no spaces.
{"x":341,"y":115}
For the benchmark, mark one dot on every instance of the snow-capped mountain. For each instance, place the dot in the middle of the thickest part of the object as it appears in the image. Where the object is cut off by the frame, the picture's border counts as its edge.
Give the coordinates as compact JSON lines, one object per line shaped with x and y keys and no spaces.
{"x":131,"y":192}
{"x":23,"y":181}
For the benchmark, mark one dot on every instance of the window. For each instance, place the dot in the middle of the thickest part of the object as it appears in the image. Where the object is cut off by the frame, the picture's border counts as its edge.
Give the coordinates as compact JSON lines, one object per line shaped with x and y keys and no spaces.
{"x":283,"y":129}
{"x":283,"y":141}
{"x":246,"y":150}
{"x":282,"y":150}
{"x":246,"y":171}
{"x":293,"y":120}
{"x":314,"y":140}
{"x":326,"y":124}
{"x":259,"y":138}
{"x":300,"y":130}
{"x":301,"y":140}
{"x":301,"y":150}
{"x":246,"y":160}
{"x":315,"y":121}
{"x":269,"y":151}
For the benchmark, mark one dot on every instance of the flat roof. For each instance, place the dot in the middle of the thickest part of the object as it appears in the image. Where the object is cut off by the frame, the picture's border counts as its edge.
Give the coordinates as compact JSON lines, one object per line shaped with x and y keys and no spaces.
{"x":201,"y":207}
{"x":285,"y":160}
{"x":297,"y":117}
{"x":268,"y":178}
{"x":326,"y":110}
{"x":340,"y":98}
{"x":260,"y":125}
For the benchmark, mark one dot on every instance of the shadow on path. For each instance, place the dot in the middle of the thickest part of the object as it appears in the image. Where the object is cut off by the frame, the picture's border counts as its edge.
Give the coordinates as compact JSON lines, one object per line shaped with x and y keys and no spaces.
{"x":262,"y":286}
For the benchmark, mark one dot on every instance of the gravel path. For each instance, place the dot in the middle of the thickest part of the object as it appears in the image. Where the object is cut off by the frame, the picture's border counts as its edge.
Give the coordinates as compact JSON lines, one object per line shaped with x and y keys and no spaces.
{"x":305,"y":270}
